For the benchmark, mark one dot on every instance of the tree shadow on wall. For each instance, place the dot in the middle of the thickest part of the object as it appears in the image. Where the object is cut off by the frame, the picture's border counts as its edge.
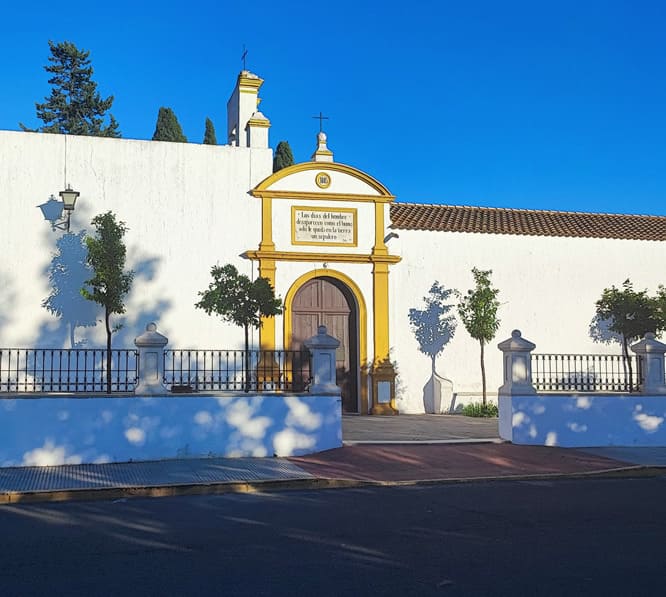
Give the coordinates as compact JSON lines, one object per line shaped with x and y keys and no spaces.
{"x":67,"y":273}
{"x":601,"y":333}
{"x":433,"y":328}
{"x":7,"y":299}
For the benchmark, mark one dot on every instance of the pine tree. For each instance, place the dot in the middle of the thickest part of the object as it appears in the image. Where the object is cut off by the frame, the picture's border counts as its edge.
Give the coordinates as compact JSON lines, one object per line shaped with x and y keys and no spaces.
{"x":283,"y":156}
{"x":167,"y":127}
{"x":209,"y":135}
{"x":74,"y":107}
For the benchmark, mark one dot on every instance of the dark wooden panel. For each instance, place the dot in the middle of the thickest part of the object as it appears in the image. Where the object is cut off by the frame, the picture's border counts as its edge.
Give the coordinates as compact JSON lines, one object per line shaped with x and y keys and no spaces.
{"x":322,"y":302}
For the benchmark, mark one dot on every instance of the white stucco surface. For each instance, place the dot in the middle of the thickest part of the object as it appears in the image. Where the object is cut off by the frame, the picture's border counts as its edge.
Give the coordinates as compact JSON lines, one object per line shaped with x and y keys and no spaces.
{"x":186,"y":206}
{"x":583,"y":420}
{"x":52,"y":431}
{"x":548,"y":289}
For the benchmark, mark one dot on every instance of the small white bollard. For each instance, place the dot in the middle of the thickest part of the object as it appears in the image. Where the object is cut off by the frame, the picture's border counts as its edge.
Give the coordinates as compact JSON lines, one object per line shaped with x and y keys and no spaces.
{"x":323,"y":347}
{"x":517,"y":366}
{"x":651,"y":354}
{"x":151,"y":361}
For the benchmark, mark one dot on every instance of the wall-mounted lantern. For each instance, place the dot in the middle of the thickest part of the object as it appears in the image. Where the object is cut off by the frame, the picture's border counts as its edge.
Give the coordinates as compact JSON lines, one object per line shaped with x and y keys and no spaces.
{"x":53,"y":209}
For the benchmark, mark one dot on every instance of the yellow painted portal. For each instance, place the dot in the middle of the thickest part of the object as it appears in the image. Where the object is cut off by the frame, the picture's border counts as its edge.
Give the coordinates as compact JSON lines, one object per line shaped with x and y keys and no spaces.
{"x":380,"y":371}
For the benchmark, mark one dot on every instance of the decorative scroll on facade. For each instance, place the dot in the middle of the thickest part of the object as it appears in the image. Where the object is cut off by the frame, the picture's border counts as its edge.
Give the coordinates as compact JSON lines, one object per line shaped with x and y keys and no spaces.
{"x":323,"y":226}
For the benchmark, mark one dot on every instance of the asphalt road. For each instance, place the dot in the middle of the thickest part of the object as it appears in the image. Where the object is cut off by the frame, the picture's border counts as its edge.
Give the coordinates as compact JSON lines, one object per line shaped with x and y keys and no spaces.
{"x":564,"y":537}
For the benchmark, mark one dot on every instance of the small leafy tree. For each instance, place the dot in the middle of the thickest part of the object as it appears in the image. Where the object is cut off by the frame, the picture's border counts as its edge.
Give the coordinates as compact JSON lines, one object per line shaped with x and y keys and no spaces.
{"x":478,"y":312}
{"x":433,"y":326}
{"x":241,"y":301}
{"x":630,"y":314}
{"x":209,"y":135}
{"x":283,"y":156}
{"x":74,"y":107}
{"x":167,"y":127}
{"x":110,"y":282}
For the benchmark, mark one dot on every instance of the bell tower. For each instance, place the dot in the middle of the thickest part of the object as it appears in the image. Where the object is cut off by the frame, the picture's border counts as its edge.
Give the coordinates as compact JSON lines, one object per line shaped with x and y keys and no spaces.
{"x":246,"y":125}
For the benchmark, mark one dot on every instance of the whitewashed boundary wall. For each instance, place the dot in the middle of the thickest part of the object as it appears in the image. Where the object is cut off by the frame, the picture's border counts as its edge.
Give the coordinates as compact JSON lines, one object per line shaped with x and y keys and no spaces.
{"x":577,"y":419}
{"x":53,"y":430}
{"x":186,"y":207}
{"x":548,"y":285}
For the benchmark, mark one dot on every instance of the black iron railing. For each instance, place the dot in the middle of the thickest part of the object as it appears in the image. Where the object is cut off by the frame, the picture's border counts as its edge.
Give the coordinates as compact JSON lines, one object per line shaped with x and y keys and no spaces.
{"x":25,"y":370}
{"x":237,"y":370}
{"x":585,"y":373}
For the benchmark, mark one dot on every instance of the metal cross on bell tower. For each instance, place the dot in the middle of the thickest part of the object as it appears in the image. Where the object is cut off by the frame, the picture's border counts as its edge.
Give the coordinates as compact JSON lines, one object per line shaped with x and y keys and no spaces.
{"x":244,"y":57}
{"x":321,"y":119}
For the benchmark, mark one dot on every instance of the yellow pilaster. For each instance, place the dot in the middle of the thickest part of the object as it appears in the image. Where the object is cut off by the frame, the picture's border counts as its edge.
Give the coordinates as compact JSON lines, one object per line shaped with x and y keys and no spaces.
{"x":382,"y":374}
{"x":267,"y":243}
{"x":380,"y":245}
{"x":267,"y":329}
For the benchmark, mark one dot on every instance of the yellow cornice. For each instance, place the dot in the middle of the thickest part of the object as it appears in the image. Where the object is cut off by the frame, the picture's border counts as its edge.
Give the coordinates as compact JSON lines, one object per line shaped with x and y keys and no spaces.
{"x":265,"y":184}
{"x":259,"y":122}
{"x":323,"y":257}
{"x":245,"y":81}
{"x":321,"y":196}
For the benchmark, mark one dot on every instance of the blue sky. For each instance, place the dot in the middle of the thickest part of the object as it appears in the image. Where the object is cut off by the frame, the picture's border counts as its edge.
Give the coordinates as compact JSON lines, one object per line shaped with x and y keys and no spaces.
{"x":548,"y":105}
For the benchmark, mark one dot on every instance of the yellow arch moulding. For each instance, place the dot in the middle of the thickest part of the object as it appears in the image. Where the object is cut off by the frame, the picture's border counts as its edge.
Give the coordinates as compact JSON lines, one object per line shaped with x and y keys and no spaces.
{"x":264,"y":186}
{"x":362,"y":320}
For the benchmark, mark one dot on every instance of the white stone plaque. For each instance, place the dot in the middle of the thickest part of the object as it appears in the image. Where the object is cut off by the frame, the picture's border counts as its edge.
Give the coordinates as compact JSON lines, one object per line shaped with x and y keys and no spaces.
{"x":383,"y":392}
{"x":322,"y":226}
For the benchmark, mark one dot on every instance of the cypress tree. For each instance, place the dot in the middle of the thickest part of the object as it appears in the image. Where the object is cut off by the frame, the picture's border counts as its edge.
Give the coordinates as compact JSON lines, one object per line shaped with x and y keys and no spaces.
{"x":75,"y":106}
{"x":209,"y":135}
{"x":167,"y":127}
{"x":283,"y":156}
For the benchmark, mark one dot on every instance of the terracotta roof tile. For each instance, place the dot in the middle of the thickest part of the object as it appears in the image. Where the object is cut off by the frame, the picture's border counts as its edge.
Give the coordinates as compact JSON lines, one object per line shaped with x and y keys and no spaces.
{"x":530,"y":222}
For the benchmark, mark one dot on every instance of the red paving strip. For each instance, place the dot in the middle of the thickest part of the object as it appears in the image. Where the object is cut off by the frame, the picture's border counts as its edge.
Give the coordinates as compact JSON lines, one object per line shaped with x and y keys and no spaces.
{"x":459,"y":461}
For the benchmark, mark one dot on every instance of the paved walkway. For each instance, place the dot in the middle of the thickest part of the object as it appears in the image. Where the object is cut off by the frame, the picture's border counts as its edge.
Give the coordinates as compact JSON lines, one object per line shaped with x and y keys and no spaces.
{"x":425,"y":454}
{"x":417,"y":428}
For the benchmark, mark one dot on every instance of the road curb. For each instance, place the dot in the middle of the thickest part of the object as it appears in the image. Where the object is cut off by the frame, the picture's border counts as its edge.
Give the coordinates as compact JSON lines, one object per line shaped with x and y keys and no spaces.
{"x":425,"y":442}
{"x":116,"y":493}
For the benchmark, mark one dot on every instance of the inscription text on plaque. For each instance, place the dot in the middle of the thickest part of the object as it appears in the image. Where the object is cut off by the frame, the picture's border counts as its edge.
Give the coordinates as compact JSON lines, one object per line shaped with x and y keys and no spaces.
{"x":323,"y":226}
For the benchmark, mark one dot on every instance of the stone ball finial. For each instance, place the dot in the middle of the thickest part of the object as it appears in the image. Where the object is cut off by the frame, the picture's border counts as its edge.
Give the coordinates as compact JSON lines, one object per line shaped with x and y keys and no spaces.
{"x":649,"y":336}
{"x":151,"y":327}
{"x":516,"y":334}
{"x":321,"y":330}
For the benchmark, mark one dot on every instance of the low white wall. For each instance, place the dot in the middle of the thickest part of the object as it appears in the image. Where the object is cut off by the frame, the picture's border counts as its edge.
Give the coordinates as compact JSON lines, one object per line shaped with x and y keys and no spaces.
{"x":579,"y":420}
{"x":50,"y":431}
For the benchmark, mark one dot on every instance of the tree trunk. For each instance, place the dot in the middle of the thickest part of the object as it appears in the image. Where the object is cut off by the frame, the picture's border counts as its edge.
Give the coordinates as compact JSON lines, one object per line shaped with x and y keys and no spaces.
{"x":625,"y":351}
{"x":247,"y":360}
{"x":483,"y":374}
{"x":108,"y":350}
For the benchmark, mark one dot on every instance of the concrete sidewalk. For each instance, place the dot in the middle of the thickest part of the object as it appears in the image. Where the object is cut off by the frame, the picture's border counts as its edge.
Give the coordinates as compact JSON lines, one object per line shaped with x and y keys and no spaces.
{"x":423,"y":454}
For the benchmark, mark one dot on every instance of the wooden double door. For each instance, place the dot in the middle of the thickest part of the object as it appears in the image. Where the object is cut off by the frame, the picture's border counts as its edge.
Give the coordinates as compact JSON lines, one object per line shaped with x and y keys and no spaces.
{"x":326,"y":301}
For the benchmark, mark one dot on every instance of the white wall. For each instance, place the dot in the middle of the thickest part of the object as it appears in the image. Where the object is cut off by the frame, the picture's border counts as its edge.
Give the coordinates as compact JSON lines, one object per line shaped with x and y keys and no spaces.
{"x":52,"y":431}
{"x":548,"y":288}
{"x":579,"y":420}
{"x":186,"y":205}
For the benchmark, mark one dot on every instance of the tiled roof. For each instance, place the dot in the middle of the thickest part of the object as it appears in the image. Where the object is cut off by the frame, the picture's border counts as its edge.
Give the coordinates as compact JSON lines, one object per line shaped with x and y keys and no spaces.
{"x":530,"y":222}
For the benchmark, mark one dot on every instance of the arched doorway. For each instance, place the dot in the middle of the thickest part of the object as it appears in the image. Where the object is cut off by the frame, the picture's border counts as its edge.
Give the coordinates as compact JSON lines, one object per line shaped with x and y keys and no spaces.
{"x":327,"y":301}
